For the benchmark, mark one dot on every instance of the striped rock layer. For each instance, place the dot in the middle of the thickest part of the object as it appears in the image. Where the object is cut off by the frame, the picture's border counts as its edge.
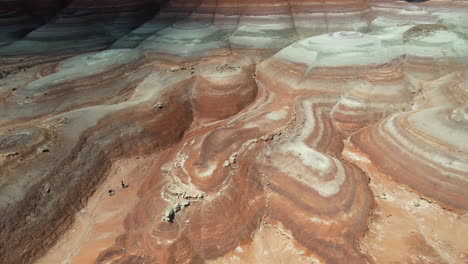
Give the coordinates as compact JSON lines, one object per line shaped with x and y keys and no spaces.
{"x":233,"y":131}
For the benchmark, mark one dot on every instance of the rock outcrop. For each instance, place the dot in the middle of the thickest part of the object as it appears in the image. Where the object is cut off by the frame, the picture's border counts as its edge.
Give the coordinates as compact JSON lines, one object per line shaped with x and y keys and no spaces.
{"x":180,"y":131}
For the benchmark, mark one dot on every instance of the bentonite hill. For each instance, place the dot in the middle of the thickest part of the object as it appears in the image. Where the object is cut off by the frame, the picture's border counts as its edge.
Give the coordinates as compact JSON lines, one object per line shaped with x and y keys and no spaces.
{"x":233,"y":131}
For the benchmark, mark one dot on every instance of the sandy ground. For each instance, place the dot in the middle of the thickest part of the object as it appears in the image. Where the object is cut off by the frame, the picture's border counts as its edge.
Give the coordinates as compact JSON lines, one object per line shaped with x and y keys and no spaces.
{"x":98,"y":224}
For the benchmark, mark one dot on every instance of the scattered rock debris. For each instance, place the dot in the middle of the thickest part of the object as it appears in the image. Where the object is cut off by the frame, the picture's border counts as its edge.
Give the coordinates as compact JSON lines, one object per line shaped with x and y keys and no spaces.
{"x":183,"y":192}
{"x":45,"y":190}
{"x":422,"y":31}
{"x":424,"y":199}
{"x":233,"y":157}
{"x":159,"y":105}
{"x":12,"y":154}
{"x":174,"y":69}
{"x":169,"y":214}
{"x":383,"y":196}
{"x":225,"y":67}
{"x":180,"y":197}
{"x":232,"y":160}
{"x":178,"y":68}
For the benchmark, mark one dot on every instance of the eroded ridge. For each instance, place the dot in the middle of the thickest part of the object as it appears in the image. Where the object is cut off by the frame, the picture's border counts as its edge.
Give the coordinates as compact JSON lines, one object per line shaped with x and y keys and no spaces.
{"x":429,"y":152}
{"x":234,"y":132}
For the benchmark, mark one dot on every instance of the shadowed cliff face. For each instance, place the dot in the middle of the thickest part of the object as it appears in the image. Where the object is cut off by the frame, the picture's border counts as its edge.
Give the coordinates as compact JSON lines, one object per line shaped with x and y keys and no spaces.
{"x":233,"y":131}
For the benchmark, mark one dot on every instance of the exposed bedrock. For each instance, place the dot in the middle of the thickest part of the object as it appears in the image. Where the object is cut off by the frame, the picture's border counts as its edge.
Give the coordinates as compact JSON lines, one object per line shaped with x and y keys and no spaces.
{"x":98,"y":24}
{"x":76,"y":27}
{"x":224,"y":90}
{"x":38,"y":206}
{"x":383,"y":91}
{"x":181,"y":131}
{"x":262,"y":154}
{"x":80,"y":81}
{"x":428,"y":152}
{"x":19,"y":17}
{"x":449,"y":90}
{"x":187,"y":38}
{"x":323,"y":201}
{"x":38,"y":199}
{"x":381,"y":77}
{"x":50,"y":167}
{"x":81,"y":144}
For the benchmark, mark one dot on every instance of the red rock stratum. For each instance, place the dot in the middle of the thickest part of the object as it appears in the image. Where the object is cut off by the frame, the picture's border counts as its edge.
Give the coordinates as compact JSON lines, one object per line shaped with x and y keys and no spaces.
{"x":233,"y":131}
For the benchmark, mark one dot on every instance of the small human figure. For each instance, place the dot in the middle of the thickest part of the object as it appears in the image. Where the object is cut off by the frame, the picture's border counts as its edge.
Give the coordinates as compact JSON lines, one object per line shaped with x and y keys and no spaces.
{"x":123,"y":185}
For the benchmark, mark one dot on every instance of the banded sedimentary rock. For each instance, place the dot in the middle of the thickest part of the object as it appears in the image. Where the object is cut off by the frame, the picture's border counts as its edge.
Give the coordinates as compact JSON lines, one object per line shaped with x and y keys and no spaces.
{"x":305,"y":67}
{"x":385,"y":91}
{"x":15,"y":22}
{"x":76,"y":27}
{"x":435,"y":45}
{"x":317,"y":17}
{"x":428,"y":152}
{"x":449,"y":90}
{"x":49,"y":153}
{"x":325,"y":203}
{"x":72,"y":78}
{"x":410,"y":14}
{"x":224,"y":90}
{"x":187,"y":38}
{"x":372,"y":83}
{"x":452,"y":16}
{"x":197,"y":192}
{"x":418,"y":229}
{"x":312,"y":193}
{"x":234,"y":132}
{"x":268,"y":26}
{"x":135,"y":37}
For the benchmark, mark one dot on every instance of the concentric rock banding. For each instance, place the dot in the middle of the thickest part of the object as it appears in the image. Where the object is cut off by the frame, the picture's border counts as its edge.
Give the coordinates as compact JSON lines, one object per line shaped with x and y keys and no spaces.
{"x":77,"y":153}
{"x":201,"y":144}
{"x":383,"y":92}
{"x":134,"y":38}
{"x":318,"y":17}
{"x":205,"y":229}
{"x":80,"y":27}
{"x":344,"y":211}
{"x":429,"y":152}
{"x":263,"y":36}
{"x":82,"y":66}
{"x":187,"y":39}
{"x":225,"y":203}
{"x":74,"y":77}
{"x":449,"y":90}
{"x":314,"y":125}
{"x":410,"y":14}
{"x":18,"y":144}
{"x":213,"y":168}
{"x":224,"y":90}
{"x":306,"y":188}
{"x":324,"y":65}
